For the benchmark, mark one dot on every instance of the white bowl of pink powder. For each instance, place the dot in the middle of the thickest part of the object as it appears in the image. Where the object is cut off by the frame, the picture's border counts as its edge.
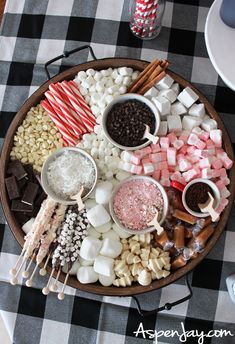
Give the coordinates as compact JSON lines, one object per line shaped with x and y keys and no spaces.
{"x":134,"y":203}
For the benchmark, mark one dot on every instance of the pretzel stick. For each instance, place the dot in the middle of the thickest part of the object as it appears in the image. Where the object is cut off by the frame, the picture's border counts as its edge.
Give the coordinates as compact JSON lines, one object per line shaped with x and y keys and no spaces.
{"x":143,"y":76}
{"x":150,"y":84}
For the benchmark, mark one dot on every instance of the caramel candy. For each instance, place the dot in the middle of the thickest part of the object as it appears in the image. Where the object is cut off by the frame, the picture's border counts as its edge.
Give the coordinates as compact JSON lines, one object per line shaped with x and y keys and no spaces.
{"x":161,"y":239}
{"x":202,"y":237}
{"x":178,"y":238}
{"x":188,"y":234}
{"x":207,"y":221}
{"x":186,"y":217}
{"x":178,"y":262}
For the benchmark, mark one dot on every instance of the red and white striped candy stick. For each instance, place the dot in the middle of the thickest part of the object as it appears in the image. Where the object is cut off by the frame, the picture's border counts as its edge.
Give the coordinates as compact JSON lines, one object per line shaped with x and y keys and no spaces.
{"x":68,"y":103}
{"x":64,"y":112}
{"x":77,"y":106}
{"x":59,"y":114}
{"x":83,"y":103}
{"x":60,"y":126}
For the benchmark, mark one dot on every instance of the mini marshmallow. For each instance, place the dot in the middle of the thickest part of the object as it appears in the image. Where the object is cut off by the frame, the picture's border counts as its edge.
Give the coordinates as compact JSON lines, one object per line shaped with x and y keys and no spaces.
{"x":209,"y":124}
{"x":81,"y":76}
{"x":216,"y":137}
{"x":86,"y":274}
{"x":124,"y":71}
{"x":204,"y":163}
{"x":174,"y":123}
{"x":178,"y":109}
{"x":103,"y":192}
{"x":207,"y":173}
{"x":103,"y":265}
{"x":162,"y":131}
{"x":90,"y":72}
{"x":187,"y":97}
{"x":165,"y":82}
{"x":169,"y":94}
{"x":111,"y":234}
{"x":136,"y":169}
{"x":130,"y":157}
{"x":164,"y":143}
{"x":104,"y":228}
{"x":155,"y":147}
{"x":90,"y":248}
{"x":184,"y":165}
{"x":152,"y":92}
{"x":126,"y":80}
{"x":111,"y":248}
{"x":190,"y":174}
{"x":27,"y":226}
{"x":197,"y":110}
{"x":156,"y":175}
{"x":98,"y":216}
{"x":135,"y":75}
{"x":171,"y":156}
{"x":122,"y":234}
{"x":176,"y":88}
{"x":148,"y":168}
{"x":106,"y":281}
{"x":158,"y":157}
{"x":189,"y":122}
{"x":121,"y":175}
{"x":162,"y":104}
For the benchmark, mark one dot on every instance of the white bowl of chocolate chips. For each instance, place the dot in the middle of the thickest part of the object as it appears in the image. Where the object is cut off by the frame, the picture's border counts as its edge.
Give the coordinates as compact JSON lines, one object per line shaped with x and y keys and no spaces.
{"x":124,"y":121}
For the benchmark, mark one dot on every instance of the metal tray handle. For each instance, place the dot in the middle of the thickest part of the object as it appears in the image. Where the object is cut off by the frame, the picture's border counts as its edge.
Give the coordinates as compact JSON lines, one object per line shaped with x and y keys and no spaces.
{"x":67,"y":54}
{"x":168,"y":305}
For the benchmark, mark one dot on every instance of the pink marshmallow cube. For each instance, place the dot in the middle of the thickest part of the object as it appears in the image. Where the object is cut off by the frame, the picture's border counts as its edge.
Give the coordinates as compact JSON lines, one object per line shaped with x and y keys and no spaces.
{"x":190,"y":174}
{"x":223,"y":203}
{"x":135,"y":159}
{"x":215,"y":173}
{"x":148,"y":168}
{"x":200,"y":144}
{"x":172,"y":137}
{"x":204,"y":135}
{"x":192,"y":139}
{"x":223,"y":172}
{"x":178,"y":144}
{"x":146,"y":160}
{"x":207,"y":173}
{"x":143,"y":152}
{"x":227,"y":162}
{"x":155,"y":147}
{"x":191,"y":150}
{"x":216,"y":137}
{"x":220,"y":185}
{"x":171,"y":156}
{"x":164,"y":143}
{"x":204,"y":163}
{"x":225,"y":180}
{"x":136,"y":169}
{"x":225,"y":193}
{"x":183,"y":150}
{"x":184,"y":136}
{"x":156,"y":174}
{"x":216,"y":164}
{"x":184,"y":165}
{"x":176,"y":176}
{"x":193,"y":158}
{"x":165,"y":182}
{"x":165,"y":174}
{"x":161,"y":166}
{"x":210,"y":143}
{"x":180,"y":156}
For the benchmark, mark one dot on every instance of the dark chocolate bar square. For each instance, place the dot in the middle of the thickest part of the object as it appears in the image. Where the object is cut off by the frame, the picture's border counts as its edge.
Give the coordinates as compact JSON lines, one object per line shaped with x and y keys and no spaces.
{"x":19,"y":206}
{"x":30,"y":193}
{"x":12,"y":188}
{"x":16,"y":168}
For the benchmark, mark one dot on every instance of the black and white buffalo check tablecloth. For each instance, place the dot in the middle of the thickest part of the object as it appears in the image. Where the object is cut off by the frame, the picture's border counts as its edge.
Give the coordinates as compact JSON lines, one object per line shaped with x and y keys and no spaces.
{"x":33,"y":32}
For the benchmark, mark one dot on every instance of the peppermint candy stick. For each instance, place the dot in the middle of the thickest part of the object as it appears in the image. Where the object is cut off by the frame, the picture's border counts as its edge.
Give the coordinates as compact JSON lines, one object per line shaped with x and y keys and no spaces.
{"x":59,"y":124}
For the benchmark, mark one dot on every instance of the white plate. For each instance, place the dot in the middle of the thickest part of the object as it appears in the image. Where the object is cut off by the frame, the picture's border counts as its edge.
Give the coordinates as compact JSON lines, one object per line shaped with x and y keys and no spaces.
{"x":220,"y":43}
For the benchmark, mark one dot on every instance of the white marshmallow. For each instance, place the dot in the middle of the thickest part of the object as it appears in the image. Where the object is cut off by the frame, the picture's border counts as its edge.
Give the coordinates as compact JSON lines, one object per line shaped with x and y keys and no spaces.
{"x":28,"y":225}
{"x":135,"y":75}
{"x":90,"y":203}
{"x":90,"y":248}
{"x":106,"y":281}
{"x":104,"y":228}
{"x":111,"y":234}
{"x":121,"y":175}
{"x":114,"y":74}
{"x":152,"y":92}
{"x":174,"y":123}
{"x":124,"y":71}
{"x":111,"y":248}
{"x":85,"y":262}
{"x":90,"y":72}
{"x":187,"y":97}
{"x":122,"y":89}
{"x":123,"y":234}
{"x":83,"y":90}
{"x":103,"y":192}
{"x":176,"y":88}
{"x":81,"y":76}
{"x":119,"y":80}
{"x":178,"y":109}
{"x":73,"y":271}
{"x":98,"y":216}
{"x":86,"y":274}
{"x":197,"y":110}
{"x":97,"y":76}
{"x":209,"y":124}
{"x":126,"y":80}
{"x":108,"y":98}
{"x":190,"y":122}
{"x":169,"y":94}
{"x":100,"y":86}
{"x":88,"y":82}
{"x":112,"y":89}
{"x":95,"y":110}
{"x":162,"y":104}
{"x":162,"y":131}
{"x":165,"y":82}
{"x":105,"y":72}
{"x":103,"y":265}
{"x":92,"y":232}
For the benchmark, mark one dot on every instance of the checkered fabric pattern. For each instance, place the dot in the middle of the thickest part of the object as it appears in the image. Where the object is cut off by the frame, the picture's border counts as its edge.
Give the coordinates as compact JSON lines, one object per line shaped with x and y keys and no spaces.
{"x":33,"y":32}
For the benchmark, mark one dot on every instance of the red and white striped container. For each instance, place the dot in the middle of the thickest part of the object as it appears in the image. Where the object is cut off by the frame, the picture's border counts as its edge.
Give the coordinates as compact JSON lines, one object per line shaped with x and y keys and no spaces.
{"x":146,"y":18}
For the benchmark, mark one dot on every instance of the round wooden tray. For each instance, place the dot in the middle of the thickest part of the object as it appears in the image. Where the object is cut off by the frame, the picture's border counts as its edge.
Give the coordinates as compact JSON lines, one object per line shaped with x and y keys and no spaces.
{"x":35,"y":99}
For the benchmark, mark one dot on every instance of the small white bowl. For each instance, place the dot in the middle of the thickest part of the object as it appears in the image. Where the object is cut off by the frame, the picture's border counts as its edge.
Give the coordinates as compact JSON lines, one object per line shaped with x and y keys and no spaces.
{"x":216,"y":195}
{"x":45,"y":167}
{"x":121,"y":99}
{"x":165,"y":204}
